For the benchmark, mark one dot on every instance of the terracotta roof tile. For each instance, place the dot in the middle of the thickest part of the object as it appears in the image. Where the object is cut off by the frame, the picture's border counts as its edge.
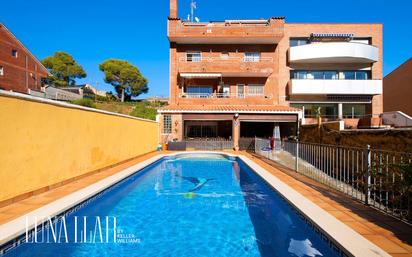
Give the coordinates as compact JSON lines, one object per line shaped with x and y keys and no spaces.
{"x":229,"y":108}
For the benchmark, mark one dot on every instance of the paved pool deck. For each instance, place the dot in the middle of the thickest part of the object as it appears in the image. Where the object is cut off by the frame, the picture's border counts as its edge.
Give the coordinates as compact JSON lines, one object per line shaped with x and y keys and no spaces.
{"x":390,"y":234}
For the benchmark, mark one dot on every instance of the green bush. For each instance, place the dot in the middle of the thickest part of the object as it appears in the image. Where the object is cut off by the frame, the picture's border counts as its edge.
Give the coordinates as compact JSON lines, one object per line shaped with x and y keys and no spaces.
{"x":144,"y":110}
{"x":84,"y":102}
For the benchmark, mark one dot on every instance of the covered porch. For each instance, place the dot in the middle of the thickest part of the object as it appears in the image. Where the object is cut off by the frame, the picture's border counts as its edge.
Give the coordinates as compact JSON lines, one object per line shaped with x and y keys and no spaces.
{"x":229,"y":123}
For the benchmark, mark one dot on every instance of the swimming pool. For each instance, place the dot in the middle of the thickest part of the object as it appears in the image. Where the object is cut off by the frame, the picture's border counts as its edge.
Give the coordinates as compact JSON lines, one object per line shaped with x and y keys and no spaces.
{"x":187,"y":205}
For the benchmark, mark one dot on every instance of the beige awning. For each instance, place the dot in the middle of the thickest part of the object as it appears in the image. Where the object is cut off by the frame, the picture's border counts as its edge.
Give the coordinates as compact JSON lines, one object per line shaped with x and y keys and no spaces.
{"x":200,"y":75}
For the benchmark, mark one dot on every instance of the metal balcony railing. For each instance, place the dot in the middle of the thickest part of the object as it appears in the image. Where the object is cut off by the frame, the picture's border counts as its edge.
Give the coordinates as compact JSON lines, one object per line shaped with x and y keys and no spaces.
{"x":223,"y":95}
{"x":198,"y":59}
{"x":247,"y":29}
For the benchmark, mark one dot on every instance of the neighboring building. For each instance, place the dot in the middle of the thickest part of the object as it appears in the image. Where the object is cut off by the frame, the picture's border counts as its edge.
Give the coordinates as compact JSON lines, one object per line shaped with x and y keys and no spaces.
{"x":157,"y":99}
{"x":397,"y":89}
{"x":85,"y":89}
{"x":20,"y":70}
{"x":246,"y":78}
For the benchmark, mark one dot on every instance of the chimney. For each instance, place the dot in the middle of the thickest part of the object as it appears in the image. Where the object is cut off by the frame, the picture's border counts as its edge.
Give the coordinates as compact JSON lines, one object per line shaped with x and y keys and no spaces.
{"x":173,"y":9}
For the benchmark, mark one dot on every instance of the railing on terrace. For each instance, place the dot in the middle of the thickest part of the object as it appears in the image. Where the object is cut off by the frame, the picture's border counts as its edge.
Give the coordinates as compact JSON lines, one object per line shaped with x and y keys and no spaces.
{"x":245,"y":59}
{"x":381,"y":179}
{"x":223,"y":95}
{"x":210,"y":144}
{"x":248,"y":29}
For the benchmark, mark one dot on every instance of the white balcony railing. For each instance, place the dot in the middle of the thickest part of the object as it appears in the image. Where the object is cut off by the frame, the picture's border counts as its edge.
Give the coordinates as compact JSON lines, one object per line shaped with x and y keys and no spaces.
{"x":223,"y":95}
{"x":335,"y":87}
{"x":336,"y":52}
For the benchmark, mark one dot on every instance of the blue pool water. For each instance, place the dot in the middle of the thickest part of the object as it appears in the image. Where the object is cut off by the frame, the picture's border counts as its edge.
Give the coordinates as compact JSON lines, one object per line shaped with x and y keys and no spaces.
{"x":188,"y":205}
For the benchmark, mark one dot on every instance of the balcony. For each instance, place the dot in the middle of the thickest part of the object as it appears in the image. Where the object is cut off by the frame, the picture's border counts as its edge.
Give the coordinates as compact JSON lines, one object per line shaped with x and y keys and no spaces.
{"x":335,"y":87}
{"x":228,"y":67}
{"x":229,"y":31}
{"x":336,"y":52}
{"x":223,"y":95}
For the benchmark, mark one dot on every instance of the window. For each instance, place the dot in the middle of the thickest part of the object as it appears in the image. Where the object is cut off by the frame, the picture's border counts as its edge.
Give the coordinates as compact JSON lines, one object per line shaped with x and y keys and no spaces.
{"x":331,"y":75}
{"x":361,"y":40}
{"x":354,"y":110}
{"x":349,"y":75}
{"x":298,"y":74}
{"x":197,"y":129}
{"x":361,"y":75}
{"x":240,"y":90}
{"x":167,"y":124}
{"x":317,"y":74}
{"x":199,"y":91}
{"x":255,"y":89}
{"x":225,"y":91}
{"x":327,"y":110}
{"x":14,"y":53}
{"x":298,"y":41}
{"x":193,"y":56}
{"x":1,"y":71}
{"x":252,"y":57}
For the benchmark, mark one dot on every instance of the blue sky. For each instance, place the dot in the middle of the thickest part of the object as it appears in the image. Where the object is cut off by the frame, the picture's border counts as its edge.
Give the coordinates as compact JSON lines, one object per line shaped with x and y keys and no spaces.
{"x":135,"y":30}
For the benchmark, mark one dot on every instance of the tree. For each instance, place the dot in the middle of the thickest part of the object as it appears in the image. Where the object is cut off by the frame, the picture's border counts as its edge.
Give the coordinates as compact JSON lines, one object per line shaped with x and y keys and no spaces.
{"x":124,"y":77}
{"x":64,"y":70}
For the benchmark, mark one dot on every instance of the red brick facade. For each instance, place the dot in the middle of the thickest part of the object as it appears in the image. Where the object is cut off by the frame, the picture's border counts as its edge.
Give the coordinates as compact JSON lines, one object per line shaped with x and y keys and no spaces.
{"x":21,"y":71}
{"x":221,"y":68}
{"x":397,"y":89}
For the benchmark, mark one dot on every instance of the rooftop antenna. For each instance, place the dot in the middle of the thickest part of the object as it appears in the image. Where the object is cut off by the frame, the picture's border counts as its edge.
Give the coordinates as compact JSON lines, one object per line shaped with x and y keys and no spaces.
{"x":192,"y":9}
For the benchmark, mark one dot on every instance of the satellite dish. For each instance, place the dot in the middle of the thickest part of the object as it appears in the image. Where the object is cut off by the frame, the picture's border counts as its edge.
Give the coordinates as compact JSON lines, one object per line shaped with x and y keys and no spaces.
{"x":197,"y":19}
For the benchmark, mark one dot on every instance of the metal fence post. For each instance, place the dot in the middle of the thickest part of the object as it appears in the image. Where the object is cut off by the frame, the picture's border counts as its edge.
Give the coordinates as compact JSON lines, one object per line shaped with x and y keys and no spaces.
{"x":297,"y":147}
{"x":368,"y":174}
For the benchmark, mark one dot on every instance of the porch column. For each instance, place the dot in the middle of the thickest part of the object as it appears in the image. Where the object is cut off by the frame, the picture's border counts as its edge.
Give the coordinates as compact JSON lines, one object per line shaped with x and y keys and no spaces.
{"x":303,"y":114}
{"x":236,"y":132}
{"x":340,"y":111}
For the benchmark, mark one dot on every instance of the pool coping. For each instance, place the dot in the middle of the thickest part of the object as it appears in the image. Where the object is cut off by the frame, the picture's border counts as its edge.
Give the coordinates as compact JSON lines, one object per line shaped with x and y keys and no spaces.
{"x":351,"y":242}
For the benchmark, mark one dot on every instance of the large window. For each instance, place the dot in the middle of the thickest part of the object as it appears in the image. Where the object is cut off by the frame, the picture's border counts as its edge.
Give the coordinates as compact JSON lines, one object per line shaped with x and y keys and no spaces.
{"x":331,"y":75}
{"x":193,"y":56}
{"x":362,"y":75}
{"x":199,"y":91}
{"x":167,"y":124}
{"x":298,"y":41}
{"x":252,"y":57}
{"x":351,"y":75}
{"x":255,"y":89}
{"x":329,"y":111}
{"x":198,"y":129}
{"x":354,"y":110}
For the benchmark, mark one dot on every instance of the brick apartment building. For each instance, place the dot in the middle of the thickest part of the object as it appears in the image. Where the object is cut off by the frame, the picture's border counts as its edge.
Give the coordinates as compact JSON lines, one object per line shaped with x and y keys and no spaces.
{"x":20,"y":70}
{"x":246,"y":78}
{"x":397,"y":89}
